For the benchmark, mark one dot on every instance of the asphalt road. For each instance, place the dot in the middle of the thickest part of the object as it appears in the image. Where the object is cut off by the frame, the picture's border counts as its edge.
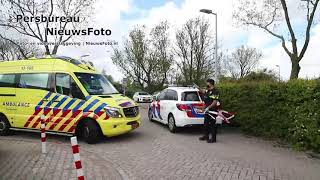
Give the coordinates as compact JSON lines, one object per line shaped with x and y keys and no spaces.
{"x":152,"y":152}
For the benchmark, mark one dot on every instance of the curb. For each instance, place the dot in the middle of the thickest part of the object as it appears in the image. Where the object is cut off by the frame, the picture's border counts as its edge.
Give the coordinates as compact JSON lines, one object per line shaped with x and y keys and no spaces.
{"x":314,"y":155}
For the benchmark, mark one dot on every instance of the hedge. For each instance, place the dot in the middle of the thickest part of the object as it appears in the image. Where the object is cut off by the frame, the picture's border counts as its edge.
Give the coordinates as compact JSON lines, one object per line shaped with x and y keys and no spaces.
{"x":289,"y":111}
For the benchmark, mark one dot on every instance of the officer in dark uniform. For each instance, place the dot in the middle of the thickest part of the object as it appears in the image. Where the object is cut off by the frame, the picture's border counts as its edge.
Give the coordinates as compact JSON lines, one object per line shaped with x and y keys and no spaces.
{"x":212,"y":103}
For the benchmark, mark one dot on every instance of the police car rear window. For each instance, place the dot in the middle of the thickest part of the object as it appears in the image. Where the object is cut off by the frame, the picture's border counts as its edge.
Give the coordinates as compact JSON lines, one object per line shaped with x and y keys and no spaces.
{"x":190,"y":96}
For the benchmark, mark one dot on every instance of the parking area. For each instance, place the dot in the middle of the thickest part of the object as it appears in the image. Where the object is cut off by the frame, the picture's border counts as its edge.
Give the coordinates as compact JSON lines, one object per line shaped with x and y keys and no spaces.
{"x":152,"y":152}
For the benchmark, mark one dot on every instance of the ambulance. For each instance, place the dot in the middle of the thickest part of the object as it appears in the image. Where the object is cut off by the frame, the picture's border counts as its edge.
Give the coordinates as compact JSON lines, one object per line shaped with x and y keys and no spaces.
{"x":68,"y":94}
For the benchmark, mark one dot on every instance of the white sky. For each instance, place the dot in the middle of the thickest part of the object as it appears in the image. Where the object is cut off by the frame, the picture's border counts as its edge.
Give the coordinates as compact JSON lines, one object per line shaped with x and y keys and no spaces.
{"x":110,"y":14}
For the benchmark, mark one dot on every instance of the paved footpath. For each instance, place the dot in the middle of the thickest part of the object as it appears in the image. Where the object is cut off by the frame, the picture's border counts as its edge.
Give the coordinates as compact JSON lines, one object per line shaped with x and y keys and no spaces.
{"x":151,"y":152}
{"x":21,"y":158}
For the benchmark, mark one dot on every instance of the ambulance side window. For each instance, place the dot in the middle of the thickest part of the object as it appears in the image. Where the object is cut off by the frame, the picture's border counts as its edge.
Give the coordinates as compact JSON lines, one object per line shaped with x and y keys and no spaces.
{"x":34,"y":81}
{"x":7,"y":80}
{"x":63,"y":84}
{"x":66,"y":85}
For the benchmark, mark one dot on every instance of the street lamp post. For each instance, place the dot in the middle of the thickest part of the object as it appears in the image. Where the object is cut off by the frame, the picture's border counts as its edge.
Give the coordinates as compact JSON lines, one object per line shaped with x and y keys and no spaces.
{"x":209,"y":11}
{"x":279,"y":72}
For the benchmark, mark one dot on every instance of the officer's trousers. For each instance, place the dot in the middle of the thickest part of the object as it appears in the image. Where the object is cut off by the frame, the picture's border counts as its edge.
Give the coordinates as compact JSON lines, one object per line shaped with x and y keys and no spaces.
{"x":210,"y":127}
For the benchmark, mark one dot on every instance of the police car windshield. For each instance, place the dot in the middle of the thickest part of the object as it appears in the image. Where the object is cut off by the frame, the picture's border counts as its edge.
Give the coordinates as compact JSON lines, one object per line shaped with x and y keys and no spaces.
{"x":143,"y":93}
{"x":96,"y":84}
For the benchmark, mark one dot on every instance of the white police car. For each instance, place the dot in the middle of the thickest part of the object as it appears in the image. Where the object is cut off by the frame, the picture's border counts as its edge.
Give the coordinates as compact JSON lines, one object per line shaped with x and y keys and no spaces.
{"x":177,"y":107}
{"x":142,"y":97}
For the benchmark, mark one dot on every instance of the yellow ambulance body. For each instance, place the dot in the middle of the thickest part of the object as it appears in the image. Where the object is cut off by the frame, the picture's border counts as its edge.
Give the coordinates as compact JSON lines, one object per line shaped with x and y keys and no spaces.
{"x":69,"y":93}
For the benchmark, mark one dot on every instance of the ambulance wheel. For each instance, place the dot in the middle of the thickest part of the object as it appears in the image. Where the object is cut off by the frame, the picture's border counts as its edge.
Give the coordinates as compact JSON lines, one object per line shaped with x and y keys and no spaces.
{"x":150,"y":115}
{"x":172,"y":124}
{"x":4,"y":126}
{"x":91,"y":132}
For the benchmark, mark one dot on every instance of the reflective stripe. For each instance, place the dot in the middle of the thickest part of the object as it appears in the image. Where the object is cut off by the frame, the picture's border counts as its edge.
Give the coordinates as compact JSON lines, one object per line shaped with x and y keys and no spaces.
{"x":51,"y":102}
{"x":80,"y":172}
{"x":36,"y":112}
{"x":74,"y":141}
{"x":98,"y":109}
{"x":90,"y":105}
{"x":88,"y":97}
{"x":41,"y":101}
{"x":64,"y":114}
{"x":61,"y":102}
{"x":76,"y":157}
{"x":66,"y":123}
{"x":214,"y":97}
{"x":69,"y":104}
{"x":78,"y":106}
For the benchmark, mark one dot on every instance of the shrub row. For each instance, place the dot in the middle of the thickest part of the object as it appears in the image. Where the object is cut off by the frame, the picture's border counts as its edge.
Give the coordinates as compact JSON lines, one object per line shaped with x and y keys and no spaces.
{"x":289,"y":111}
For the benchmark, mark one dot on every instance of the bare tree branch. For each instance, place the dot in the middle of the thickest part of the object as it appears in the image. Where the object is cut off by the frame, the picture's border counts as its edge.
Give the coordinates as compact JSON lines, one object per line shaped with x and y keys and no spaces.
{"x":146,"y":59}
{"x":310,"y":21}
{"x":273,"y":13}
{"x":49,"y":9}
{"x":193,"y":47}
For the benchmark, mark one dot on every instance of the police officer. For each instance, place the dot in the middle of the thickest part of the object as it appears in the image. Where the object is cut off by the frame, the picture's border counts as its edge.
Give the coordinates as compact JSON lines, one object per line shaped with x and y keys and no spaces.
{"x":212,"y":103}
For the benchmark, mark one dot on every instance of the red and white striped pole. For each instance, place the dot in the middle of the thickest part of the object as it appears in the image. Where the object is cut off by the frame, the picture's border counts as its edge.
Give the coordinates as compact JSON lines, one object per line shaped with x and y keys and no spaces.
{"x":76,"y":157}
{"x":43,"y":134}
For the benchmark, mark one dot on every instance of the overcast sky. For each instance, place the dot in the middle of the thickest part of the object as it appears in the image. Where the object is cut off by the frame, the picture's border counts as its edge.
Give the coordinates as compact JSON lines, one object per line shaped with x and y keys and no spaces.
{"x":120,"y":16}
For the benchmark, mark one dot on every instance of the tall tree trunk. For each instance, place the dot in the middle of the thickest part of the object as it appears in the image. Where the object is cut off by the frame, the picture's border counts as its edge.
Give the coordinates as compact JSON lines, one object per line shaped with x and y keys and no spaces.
{"x":55,"y":50}
{"x":47,"y":50}
{"x":295,"y":68}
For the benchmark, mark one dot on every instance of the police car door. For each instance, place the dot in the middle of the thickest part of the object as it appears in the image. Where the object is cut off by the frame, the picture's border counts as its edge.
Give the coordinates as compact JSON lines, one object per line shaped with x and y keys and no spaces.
{"x":164,"y":105}
{"x":169,"y":103}
{"x":156,"y":107}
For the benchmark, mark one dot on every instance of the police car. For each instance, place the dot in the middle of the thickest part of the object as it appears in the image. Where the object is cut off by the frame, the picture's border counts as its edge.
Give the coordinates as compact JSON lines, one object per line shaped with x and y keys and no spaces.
{"x":142,"y":97}
{"x":177,"y":107}
{"x":71,"y":94}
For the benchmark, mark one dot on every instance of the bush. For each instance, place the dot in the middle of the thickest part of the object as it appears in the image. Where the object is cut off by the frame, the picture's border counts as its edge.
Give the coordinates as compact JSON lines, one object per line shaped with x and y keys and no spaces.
{"x":289,"y":111}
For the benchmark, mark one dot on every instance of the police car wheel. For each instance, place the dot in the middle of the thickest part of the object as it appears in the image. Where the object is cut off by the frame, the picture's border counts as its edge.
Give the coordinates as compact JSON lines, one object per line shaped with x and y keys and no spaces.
{"x":172,"y":124}
{"x":4,"y":126}
{"x":90,"y":132}
{"x":150,"y":115}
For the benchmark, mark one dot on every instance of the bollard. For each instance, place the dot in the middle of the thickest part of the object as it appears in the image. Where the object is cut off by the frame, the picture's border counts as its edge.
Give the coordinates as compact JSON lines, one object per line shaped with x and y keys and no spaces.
{"x":43,"y":134}
{"x":76,"y":157}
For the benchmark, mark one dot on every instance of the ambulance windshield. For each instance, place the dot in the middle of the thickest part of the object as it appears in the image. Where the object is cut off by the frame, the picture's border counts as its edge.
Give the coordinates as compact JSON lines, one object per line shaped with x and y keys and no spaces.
{"x":96,"y":84}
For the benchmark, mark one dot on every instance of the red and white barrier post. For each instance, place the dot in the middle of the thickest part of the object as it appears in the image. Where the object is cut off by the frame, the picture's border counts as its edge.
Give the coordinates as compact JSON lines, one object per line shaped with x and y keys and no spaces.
{"x":76,"y":157}
{"x":43,"y":134}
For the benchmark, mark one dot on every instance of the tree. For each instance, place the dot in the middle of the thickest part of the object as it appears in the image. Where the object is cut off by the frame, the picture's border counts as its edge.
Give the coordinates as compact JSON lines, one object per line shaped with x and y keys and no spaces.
{"x":194,"y":48}
{"x":242,"y":61}
{"x":10,"y":50}
{"x":146,"y":58}
{"x":48,"y":8}
{"x":261,"y":75}
{"x":269,"y":15}
{"x":116,"y":84}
